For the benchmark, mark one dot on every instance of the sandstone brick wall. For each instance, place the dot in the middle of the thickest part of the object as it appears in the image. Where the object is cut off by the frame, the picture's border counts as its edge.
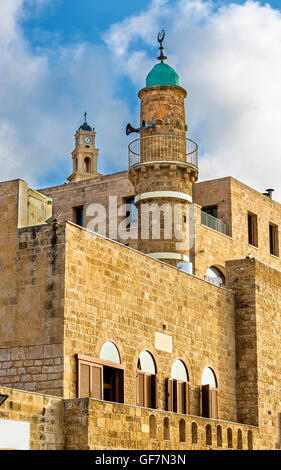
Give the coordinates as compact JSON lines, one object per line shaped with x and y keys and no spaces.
{"x":31,"y":300}
{"x":85,"y":193}
{"x":117,"y":294}
{"x":44,"y":413}
{"x":92,"y":424}
{"x":258,"y":295}
{"x":234,"y":200}
{"x":240,"y":276}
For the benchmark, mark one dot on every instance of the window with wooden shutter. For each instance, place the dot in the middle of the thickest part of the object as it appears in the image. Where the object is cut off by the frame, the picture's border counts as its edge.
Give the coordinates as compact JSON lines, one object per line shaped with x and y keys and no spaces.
{"x":209,"y":402}
{"x":252,"y":229}
{"x":273,"y":240}
{"x":90,"y":380}
{"x":177,"y":396}
{"x":147,"y":382}
{"x":100,"y":379}
{"x":147,"y":390}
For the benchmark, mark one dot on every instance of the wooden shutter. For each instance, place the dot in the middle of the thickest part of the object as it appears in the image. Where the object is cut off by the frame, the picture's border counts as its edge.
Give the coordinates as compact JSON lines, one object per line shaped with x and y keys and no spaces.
{"x":140,"y":389}
{"x":84,"y":380}
{"x":97,"y":381}
{"x":154,"y":391}
{"x":148,"y":399}
{"x":90,"y":380}
{"x":205,"y":401}
{"x":119,"y":384}
{"x":214,"y":403}
{"x":175,"y":396}
{"x":180,"y":397}
{"x":169,"y":394}
{"x":187,"y":390}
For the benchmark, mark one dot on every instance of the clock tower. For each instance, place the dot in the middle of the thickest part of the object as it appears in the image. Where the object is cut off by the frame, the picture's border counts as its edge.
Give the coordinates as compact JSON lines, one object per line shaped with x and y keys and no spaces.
{"x":85,"y":154}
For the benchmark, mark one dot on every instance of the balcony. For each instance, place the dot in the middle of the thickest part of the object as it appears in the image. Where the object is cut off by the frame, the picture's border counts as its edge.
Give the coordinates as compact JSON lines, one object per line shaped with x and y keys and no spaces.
{"x":212,"y":222}
{"x":167,"y":148}
{"x":94,"y":424}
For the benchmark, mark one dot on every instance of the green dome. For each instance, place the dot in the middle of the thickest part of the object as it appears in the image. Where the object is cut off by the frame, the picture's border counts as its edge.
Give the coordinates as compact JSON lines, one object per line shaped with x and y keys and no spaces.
{"x":162,"y":74}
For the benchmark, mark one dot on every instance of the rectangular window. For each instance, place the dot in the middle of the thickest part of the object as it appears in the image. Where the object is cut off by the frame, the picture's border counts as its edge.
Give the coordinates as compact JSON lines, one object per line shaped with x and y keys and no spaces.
{"x":78,"y":215}
{"x":178,"y":396}
{"x":100,"y":379}
{"x":131,"y":212}
{"x":273,"y":240}
{"x":252,"y":229}
{"x":209,"y":402}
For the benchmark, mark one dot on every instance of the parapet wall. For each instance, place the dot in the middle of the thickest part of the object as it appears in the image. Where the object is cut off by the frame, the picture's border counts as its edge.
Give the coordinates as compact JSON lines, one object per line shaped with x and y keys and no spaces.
{"x":43,"y":413}
{"x":115,"y":426}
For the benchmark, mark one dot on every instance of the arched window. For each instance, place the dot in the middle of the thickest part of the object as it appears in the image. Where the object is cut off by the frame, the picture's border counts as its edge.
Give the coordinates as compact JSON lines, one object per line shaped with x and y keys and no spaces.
{"x":250,"y":440}
{"x":102,"y":378}
{"x":182,"y":430}
{"x":209,"y":378}
{"x":152,"y":427}
{"x":239,"y":439}
{"x":229,"y":438}
{"x":178,"y":389}
{"x":208,"y":435}
{"x":146,"y":362}
{"x":209,"y":394}
{"x":87,"y":165}
{"x":166,"y":424}
{"x":147,"y":384}
{"x":76,"y":164}
{"x":109,"y":352}
{"x":194,"y":433}
{"x":215,"y":276}
{"x":219,"y":436}
{"x":179,"y":371}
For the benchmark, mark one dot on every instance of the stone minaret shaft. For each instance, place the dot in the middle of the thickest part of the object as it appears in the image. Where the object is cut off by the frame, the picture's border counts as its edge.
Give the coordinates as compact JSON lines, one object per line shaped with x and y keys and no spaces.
{"x":164,"y":172}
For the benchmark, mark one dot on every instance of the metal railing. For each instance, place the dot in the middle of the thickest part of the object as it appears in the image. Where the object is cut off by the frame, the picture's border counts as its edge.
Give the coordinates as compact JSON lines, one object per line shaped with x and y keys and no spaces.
{"x":164,"y":147}
{"x":212,"y":222}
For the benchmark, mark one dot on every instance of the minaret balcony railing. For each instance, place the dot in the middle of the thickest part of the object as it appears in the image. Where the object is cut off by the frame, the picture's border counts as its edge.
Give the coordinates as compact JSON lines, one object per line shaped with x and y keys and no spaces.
{"x":159,"y":148}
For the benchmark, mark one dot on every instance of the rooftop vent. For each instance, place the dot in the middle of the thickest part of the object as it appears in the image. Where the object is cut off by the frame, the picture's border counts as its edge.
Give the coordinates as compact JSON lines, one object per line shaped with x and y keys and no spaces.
{"x":268,"y":193}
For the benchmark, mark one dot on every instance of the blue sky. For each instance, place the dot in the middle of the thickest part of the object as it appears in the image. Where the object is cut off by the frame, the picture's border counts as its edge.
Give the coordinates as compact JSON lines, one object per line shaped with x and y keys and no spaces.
{"x":60,"y":58}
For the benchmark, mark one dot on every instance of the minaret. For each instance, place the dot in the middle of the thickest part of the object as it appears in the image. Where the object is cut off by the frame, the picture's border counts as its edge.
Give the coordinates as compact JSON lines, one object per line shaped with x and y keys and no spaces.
{"x":85,"y":154}
{"x":163,"y":167}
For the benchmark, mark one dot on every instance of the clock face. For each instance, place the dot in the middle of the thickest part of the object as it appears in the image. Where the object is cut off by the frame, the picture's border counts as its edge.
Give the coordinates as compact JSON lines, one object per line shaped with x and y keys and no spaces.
{"x":87,"y":140}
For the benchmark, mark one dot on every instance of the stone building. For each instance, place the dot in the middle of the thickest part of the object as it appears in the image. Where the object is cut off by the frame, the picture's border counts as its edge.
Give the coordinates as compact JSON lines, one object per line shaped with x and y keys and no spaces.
{"x":140,"y":310}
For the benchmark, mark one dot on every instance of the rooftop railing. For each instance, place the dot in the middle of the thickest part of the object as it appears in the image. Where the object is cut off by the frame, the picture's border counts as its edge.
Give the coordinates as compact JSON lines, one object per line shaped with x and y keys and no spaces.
{"x":169,"y":148}
{"x":212,"y":222}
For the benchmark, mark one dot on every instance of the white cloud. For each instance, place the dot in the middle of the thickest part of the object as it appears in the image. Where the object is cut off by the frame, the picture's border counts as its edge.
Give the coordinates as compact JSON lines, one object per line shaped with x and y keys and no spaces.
{"x":43,"y":97}
{"x":229,"y":60}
